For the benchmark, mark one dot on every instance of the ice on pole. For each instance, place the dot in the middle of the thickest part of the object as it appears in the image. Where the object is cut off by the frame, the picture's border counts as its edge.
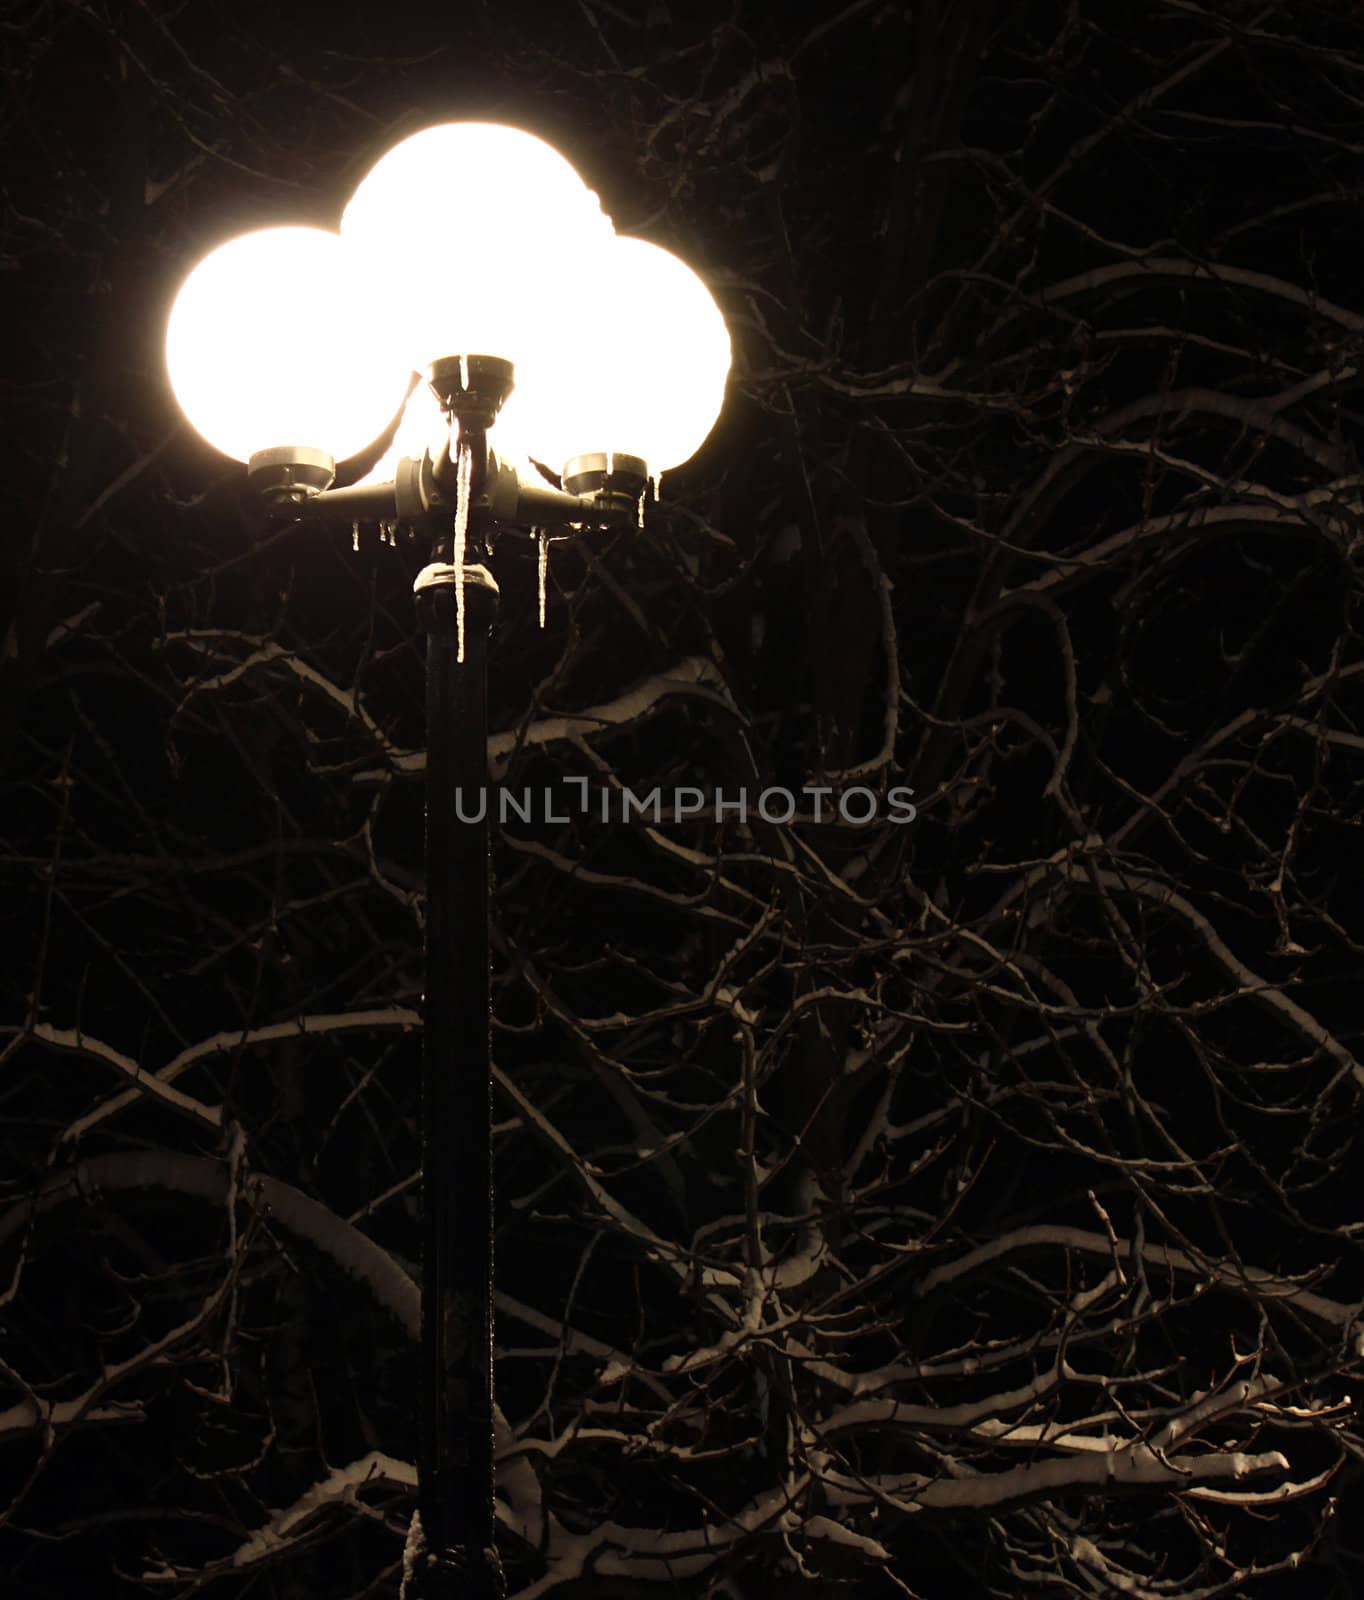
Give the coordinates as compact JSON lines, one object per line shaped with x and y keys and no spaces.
{"x":462,"y":483}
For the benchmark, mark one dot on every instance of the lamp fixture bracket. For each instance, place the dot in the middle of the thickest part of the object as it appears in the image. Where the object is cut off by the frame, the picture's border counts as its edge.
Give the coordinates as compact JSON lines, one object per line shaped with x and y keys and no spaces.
{"x":471,"y":388}
{"x":289,"y":474}
{"x":610,"y":479}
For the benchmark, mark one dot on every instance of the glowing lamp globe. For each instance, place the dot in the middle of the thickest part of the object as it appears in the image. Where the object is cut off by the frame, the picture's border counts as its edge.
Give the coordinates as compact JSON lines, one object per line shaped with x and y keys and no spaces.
{"x":474,"y":237}
{"x":270,"y":344}
{"x":639,"y":369}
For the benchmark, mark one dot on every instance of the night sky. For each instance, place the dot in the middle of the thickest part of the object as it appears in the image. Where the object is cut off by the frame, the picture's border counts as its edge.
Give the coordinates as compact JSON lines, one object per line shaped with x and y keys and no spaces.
{"x":959,"y":1206}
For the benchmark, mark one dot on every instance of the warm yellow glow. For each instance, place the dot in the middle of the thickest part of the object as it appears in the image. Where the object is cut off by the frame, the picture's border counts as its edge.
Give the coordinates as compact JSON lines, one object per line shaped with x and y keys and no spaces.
{"x":269,"y":343}
{"x":473,"y":235}
{"x":423,"y":427}
{"x":639,"y":369}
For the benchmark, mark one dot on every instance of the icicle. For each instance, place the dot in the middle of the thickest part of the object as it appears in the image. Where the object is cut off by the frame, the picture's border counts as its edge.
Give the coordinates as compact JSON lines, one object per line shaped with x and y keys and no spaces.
{"x":640,"y":508}
{"x":462,"y":481}
{"x":355,"y":537}
{"x":464,"y":373}
{"x":610,"y":462}
{"x":544,"y":569}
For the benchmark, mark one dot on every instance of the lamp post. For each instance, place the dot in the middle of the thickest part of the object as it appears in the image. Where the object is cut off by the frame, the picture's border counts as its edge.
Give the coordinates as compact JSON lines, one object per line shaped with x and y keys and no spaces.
{"x":289,"y":349}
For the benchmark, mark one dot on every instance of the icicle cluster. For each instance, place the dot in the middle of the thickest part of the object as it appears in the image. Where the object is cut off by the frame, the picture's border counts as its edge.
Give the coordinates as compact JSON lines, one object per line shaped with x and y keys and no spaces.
{"x":388,"y":534}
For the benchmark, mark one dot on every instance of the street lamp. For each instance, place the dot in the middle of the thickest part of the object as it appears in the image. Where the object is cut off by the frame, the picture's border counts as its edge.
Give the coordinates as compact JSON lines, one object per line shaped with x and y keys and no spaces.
{"x":474,"y":253}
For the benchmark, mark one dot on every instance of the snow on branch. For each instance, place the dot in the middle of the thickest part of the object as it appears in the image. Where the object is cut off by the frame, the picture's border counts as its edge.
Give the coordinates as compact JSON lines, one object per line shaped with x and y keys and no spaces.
{"x":1259,"y":989}
{"x":229,"y":1042}
{"x":54,"y":1416}
{"x":654,"y":1246}
{"x":1208,"y":272}
{"x":33,"y":1413}
{"x":1128,"y":1466}
{"x":353,"y":1252}
{"x":1252,"y":1280}
{"x":1064,"y":571}
{"x":693,"y":675}
{"x":204,"y":1178}
{"x":266,"y":653}
{"x":155,"y":1086}
{"x":339,"y":1487}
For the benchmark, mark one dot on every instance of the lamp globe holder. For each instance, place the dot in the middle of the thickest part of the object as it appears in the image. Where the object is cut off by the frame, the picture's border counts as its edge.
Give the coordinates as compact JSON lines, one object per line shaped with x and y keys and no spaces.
{"x":611,"y":479}
{"x":472,"y":389}
{"x":289,"y":474}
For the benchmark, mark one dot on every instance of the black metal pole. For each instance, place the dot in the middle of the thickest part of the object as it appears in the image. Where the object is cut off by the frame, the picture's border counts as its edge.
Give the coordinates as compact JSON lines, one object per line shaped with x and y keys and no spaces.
{"x":454,"y":1551}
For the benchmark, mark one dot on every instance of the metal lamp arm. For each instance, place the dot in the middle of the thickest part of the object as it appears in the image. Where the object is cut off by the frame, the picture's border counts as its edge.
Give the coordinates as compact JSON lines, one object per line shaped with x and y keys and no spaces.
{"x":416,"y":491}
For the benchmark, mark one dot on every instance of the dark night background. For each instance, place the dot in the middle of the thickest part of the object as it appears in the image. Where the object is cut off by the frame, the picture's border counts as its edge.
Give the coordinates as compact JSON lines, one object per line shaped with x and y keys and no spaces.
{"x":963,"y":1208}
